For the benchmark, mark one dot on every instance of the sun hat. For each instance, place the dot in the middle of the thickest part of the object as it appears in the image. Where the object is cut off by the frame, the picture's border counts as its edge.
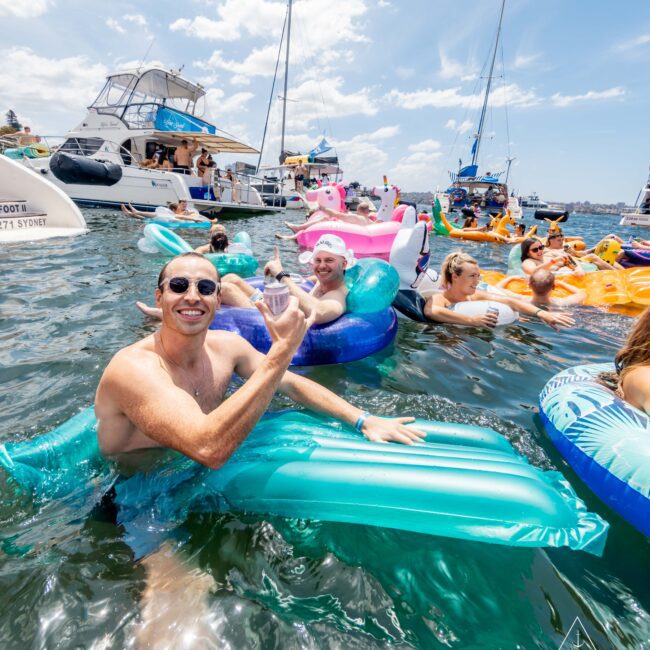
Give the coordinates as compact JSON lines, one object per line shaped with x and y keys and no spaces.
{"x":332,"y":244}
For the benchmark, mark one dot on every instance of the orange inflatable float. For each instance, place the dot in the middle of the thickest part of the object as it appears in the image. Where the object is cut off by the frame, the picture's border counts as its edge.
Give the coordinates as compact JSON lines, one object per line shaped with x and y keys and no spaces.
{"x":624,"y":291}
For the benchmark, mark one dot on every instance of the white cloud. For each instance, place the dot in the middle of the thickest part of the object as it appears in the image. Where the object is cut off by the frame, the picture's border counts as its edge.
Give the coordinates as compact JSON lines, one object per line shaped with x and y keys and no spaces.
{"x":42,"y":85}
{"x":593,"y":95}
{"x":417,"y":170}
{"x":463,"y":127}
{"x":111,"y":23}
{"x":137,"y":19}
{"x":450,"y":69}
{"x":326,"y":48}
{"x":258,"y":18}
{"x":24,"y":8}
{"x":260,"y":62}
{"x":525,"y":60}
{"x":324,"y":98}
{"x":511,"y":94}
{"x":633,"y":43}
{"x":362,"y":157}
{"x":220,"y":105}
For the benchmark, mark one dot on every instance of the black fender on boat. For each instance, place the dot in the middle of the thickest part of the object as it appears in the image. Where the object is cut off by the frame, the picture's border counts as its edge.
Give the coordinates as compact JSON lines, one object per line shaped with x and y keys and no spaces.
{"x":84,"y":171}
{"x":554,"y":215}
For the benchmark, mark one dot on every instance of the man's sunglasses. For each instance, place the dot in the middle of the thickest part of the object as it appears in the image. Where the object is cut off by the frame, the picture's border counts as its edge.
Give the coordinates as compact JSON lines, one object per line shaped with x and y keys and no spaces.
{"x":536,"y":249}
{"x":181,"y":285}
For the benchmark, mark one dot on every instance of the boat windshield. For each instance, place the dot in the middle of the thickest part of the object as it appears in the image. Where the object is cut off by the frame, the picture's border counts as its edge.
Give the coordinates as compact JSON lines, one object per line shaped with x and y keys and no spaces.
{"x":135,"y":97}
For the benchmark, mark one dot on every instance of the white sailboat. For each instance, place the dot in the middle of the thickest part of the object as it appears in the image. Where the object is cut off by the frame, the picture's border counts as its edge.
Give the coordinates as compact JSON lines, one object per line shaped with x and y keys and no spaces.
{"x":640,"y":214}
{"x":279,"y":186}
{"x":138,"y":115}
{"x":467,"y":185}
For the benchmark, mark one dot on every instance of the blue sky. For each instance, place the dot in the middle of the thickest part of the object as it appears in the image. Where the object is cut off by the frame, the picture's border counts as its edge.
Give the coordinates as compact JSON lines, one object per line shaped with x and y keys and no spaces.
{"x":395,"y":85}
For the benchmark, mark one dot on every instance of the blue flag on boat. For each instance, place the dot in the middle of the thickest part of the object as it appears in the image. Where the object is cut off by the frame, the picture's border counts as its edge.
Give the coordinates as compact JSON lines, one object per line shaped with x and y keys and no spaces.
{"x":320,"y":148}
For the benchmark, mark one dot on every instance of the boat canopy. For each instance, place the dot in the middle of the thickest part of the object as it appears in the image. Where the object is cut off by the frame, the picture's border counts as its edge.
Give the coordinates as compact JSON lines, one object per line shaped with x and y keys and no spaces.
{"x":213,"y":142}
{"x":153,"y":86}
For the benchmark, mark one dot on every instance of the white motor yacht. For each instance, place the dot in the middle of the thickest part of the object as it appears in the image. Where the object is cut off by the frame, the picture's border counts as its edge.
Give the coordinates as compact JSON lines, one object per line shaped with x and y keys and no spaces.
{"x":138,"y":119}
{"x":533,"y":201}
{"x":640,"y":214}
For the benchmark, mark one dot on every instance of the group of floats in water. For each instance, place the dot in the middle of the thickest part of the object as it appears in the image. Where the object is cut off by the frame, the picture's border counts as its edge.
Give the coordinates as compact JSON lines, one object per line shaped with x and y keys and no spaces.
{"x":462,"y":481}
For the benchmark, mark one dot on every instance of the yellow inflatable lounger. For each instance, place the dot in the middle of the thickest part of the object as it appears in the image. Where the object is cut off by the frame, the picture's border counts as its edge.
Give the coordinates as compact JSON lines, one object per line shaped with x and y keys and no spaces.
{"x":628,"y":287}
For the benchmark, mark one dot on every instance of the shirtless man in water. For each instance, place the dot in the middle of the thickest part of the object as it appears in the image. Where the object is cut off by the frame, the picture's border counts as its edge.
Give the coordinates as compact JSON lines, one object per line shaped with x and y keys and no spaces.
{"x":326,"y":301}
{"x":167,"y":390}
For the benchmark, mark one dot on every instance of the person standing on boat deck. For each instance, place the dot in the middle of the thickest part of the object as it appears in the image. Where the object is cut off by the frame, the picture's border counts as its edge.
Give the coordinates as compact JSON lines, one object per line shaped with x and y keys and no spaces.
{"x":202,"y":163}
{"x":234,"y":187}
{"x":168,"y":390}
{"x":183,"y":156}
{"x":27,"y":137}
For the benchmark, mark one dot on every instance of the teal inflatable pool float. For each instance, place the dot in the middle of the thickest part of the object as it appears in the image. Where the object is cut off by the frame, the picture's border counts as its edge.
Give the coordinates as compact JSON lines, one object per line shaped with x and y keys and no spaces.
{"x":245,"y":266}
{"x":463,"y":481}
{"x":159,"y":239}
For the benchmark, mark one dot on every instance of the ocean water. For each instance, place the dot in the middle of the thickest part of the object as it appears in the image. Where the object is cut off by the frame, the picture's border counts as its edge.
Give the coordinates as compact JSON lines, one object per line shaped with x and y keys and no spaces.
{"x":67,"y":306}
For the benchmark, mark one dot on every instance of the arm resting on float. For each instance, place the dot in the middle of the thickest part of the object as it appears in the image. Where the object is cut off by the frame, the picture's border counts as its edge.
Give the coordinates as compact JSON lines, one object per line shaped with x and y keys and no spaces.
{"x":318,"y":398}
{"x":441,"y":314}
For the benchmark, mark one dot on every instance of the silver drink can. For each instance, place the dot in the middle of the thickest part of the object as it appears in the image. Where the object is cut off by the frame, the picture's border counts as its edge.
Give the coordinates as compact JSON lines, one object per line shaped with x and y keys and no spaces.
{"x":493,"y":310}
{"x":276,"y":296}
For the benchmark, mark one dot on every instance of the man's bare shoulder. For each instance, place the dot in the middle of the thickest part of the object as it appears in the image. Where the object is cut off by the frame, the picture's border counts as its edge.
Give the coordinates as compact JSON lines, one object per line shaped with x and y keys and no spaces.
{"x":223,"y":341}
{"x":339,"y":294}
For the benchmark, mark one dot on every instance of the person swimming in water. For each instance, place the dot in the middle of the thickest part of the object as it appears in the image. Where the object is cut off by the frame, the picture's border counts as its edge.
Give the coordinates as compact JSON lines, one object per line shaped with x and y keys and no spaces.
{"x":461,"y":275}
{"x":541,"y":283}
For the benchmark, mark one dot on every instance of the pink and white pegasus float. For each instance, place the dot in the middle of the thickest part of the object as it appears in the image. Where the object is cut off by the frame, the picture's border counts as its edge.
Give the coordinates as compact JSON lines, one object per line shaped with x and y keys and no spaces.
{"x":374,"y":240}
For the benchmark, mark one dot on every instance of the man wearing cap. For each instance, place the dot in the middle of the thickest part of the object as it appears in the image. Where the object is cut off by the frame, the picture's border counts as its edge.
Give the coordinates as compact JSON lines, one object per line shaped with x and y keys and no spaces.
{"x":327,"y":299}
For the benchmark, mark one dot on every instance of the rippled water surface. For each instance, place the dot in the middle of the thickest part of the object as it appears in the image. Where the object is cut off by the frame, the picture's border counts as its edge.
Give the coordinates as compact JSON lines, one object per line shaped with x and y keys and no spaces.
{"x":68,"y":580}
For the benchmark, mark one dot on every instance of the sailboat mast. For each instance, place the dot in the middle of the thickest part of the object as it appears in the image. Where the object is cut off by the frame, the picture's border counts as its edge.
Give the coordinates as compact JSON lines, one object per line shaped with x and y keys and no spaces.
{"x":286,"y":79}
{"x":487,"y":91}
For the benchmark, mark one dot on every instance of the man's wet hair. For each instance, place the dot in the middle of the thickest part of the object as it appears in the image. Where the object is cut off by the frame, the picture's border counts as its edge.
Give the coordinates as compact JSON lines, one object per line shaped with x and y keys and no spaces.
{"x":161,"y":275}
{"x":542,"y":281}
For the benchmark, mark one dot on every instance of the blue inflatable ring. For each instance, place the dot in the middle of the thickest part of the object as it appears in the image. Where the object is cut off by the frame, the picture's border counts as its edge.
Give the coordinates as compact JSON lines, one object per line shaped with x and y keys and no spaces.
{"x":637,"y":256}
{"x":348,"y":338}
{"x":604,"y":439}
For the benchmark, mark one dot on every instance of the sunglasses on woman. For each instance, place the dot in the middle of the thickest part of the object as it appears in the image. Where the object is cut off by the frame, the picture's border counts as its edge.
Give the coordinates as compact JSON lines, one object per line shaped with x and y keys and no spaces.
{"x":181,"y":285}
{"x":536,"y":249}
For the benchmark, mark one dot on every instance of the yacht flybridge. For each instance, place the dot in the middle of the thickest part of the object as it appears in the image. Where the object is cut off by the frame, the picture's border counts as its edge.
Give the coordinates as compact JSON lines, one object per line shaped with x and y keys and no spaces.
{"x":140,"y":116}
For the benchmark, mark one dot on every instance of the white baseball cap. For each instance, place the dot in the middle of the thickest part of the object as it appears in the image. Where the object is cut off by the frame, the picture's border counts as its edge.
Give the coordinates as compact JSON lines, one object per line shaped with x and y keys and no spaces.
{"x":332,"y":244}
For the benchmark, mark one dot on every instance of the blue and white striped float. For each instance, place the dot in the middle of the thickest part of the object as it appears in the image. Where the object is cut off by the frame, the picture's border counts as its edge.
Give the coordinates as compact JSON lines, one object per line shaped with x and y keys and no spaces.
{"x":604,"y":439}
